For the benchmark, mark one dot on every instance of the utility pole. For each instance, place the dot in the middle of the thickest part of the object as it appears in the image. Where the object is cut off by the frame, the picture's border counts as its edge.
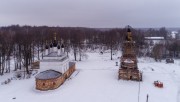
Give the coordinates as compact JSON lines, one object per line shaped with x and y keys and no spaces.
{"x":147,"y":98}
{"x":139,"y":90}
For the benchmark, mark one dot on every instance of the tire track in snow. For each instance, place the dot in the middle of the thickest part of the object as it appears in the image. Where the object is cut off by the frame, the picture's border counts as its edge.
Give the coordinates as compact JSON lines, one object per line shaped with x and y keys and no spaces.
{"x":176,"y":79}
{"x":173,"y":75}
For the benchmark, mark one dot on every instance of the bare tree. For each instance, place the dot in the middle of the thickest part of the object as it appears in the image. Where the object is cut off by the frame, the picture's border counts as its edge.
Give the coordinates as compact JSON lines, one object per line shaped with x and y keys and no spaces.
{"x":157,"y":52}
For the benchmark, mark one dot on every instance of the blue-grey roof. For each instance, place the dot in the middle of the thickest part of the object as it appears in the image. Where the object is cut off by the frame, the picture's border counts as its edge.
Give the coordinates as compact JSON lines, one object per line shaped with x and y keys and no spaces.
{"x":48,"y":74}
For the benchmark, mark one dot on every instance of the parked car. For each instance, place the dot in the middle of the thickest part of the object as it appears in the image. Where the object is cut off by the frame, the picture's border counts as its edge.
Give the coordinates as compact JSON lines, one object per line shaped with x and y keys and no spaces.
{"x":169,"y":60}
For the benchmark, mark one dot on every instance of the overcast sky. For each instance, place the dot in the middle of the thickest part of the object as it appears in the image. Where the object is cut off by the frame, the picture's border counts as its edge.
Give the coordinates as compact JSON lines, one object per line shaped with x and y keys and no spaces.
{"x":91,"y":13}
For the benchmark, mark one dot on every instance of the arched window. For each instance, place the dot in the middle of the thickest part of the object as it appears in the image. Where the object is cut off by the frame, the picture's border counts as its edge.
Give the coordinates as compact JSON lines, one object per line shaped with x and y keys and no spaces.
{"x":43,"y":84}
{"x":54,"y":83}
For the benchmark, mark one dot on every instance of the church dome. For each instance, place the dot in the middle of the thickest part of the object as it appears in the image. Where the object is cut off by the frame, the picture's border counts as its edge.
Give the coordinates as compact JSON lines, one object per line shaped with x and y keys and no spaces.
{"x":62,"y":46}
{"x":51,"y":45}
{"x":54,"y":43}
{"x":58,"y":46}
{"x":128,"y":27}
{"x":46,"y":46}
{"x":128,"y":30}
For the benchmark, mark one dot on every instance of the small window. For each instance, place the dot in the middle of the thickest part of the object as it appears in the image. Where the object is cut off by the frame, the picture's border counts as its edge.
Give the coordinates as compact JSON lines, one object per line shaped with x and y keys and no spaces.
{"x":43,"y":84}
{"x":54,"y":83}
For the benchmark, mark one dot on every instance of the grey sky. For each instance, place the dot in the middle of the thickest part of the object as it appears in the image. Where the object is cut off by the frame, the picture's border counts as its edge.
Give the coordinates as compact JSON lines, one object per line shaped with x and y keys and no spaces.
{"x":91,"y":13}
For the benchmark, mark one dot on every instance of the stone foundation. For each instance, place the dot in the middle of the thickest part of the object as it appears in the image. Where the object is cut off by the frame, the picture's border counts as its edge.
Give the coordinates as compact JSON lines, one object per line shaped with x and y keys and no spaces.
{"x":68,"y":73}
{"x":49,"y":84}
{"x":130,"y":74}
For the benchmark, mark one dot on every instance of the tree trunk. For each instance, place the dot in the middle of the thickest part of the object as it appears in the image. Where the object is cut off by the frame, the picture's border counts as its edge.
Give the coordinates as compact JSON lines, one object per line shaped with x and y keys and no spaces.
{"x":26,"y":66}
{"x":38,"y":52}
{"x":111,"y":52}
{"x":75,"y":56}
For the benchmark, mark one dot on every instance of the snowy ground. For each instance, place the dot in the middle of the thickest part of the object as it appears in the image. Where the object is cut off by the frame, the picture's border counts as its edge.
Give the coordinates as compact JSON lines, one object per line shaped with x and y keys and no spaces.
{"x":96,"y":81}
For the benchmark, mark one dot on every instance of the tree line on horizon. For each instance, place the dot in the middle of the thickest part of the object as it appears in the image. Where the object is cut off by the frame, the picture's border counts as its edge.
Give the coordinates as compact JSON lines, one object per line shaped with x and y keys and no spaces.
{"x":25,"y":44}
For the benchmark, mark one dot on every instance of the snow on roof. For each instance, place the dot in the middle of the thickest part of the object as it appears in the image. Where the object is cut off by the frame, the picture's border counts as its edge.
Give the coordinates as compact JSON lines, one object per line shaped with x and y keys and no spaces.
{"x":55,"y":60}
{"x":174,"y":32}
{"x":128,"y":61}
{"x":154,"y":38}
{"x":54,"y":54}
{"x":48,"y":74}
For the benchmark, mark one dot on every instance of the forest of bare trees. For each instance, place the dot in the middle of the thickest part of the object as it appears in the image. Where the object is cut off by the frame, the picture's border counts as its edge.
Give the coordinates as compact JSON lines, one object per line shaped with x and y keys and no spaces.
{"x":24,"y":44}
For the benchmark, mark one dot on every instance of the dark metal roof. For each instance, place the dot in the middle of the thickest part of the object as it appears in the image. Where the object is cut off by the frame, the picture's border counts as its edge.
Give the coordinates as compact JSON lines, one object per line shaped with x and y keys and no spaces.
{"x":51,"y":45}
{"x":46,"y":46}
{"x":48,"y":74}
{"x":62,"y":46}
{"x":54,"y":43}
{"x":58,"y":46}
{"x":128,"y":30}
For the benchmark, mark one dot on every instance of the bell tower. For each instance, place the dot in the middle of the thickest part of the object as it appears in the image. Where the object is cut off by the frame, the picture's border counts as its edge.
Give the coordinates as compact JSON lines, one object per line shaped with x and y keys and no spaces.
{"x":129,"y":34}
{"x":128,"y":68}
{"x":55,"y":43}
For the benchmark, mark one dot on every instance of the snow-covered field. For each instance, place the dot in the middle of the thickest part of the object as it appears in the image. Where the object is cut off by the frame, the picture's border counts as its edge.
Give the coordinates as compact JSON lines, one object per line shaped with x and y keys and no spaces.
{"x":96,"y":80}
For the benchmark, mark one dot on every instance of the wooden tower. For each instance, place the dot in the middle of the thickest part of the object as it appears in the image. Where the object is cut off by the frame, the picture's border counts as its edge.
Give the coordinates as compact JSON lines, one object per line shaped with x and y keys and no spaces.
{"x":128,"y":67}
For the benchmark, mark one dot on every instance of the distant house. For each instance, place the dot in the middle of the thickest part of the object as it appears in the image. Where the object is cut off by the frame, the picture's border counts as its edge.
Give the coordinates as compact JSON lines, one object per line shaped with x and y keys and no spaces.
{"x":152,"y":41}
{"x":174,"y":35}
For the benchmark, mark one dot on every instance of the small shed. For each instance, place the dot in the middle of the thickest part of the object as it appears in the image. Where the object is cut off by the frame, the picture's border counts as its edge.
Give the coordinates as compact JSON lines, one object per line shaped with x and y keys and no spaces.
{"x":35,"y":65}
{"x":49,"y":80}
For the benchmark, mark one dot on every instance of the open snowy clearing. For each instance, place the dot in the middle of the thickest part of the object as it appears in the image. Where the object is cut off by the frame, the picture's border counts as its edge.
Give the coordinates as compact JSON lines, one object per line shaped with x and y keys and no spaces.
{"x":96,"y":80}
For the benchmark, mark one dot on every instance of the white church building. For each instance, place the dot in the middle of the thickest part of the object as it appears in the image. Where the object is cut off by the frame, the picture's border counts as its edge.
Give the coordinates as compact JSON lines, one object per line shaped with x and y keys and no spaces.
{"x":55,"y":67}
{"x":54,"y":57}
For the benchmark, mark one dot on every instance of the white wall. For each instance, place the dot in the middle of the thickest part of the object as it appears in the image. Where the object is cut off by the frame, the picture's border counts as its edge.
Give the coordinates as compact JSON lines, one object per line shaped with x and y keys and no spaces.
{"x":55,"y":65}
